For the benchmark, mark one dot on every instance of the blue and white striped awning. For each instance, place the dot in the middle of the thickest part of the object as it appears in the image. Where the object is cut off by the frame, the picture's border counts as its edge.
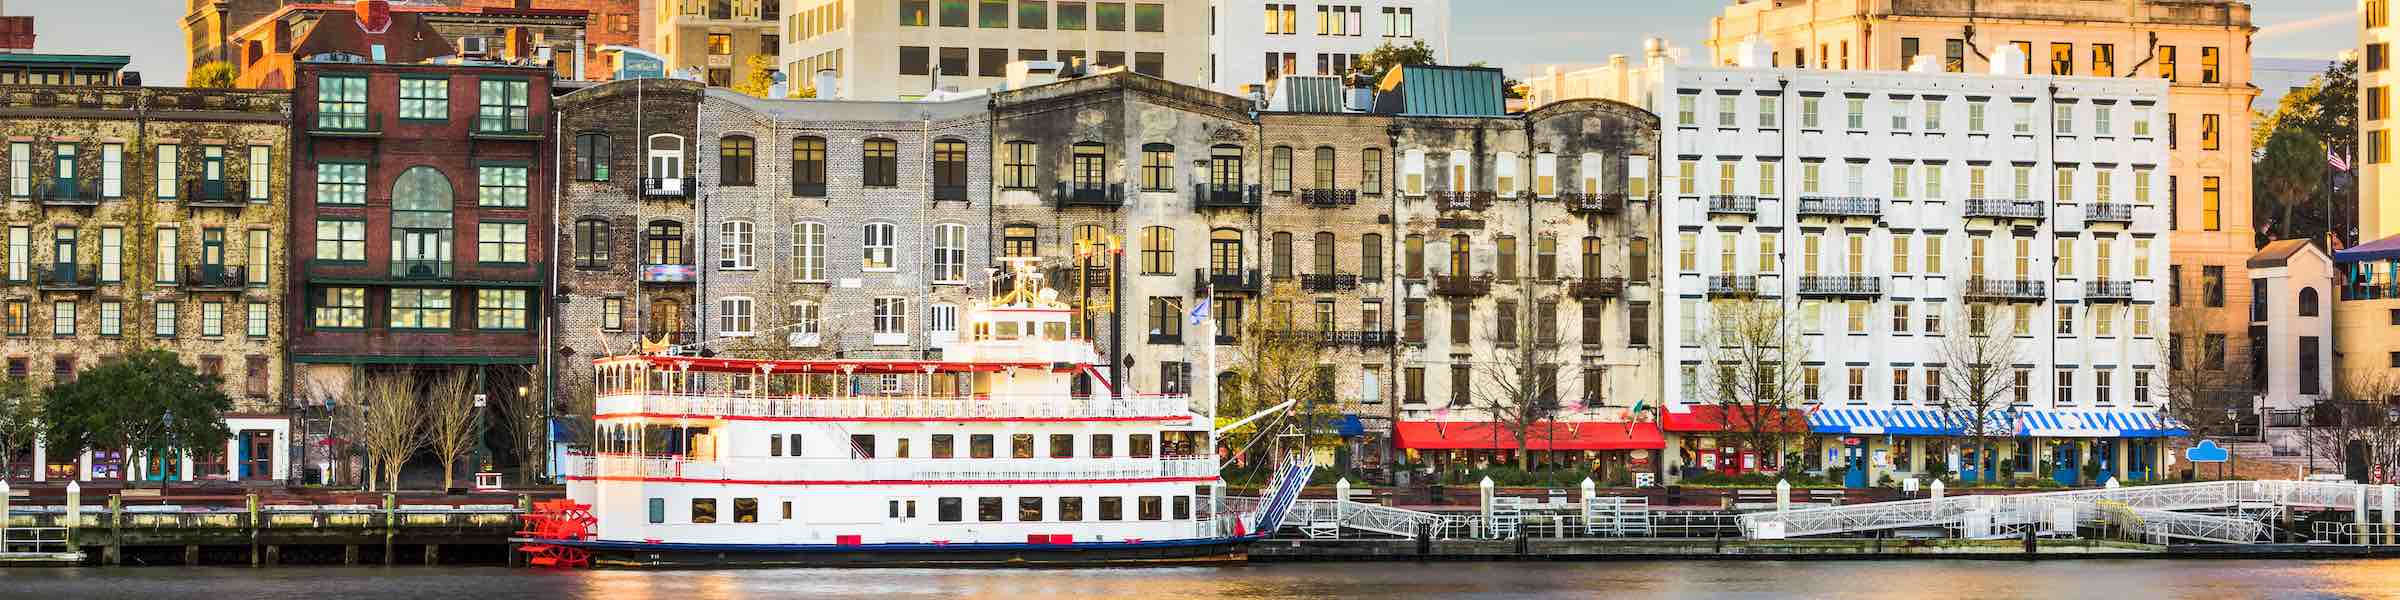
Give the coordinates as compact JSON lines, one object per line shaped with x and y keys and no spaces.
{"x":2019,"y":422}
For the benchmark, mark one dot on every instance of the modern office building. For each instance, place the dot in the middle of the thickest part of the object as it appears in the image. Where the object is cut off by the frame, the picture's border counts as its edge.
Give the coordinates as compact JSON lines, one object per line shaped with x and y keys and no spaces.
{"x":1257,"y":42}
{"x":712,"y":40}
{"x":2378,"y":211}
{"x":889,"y":49}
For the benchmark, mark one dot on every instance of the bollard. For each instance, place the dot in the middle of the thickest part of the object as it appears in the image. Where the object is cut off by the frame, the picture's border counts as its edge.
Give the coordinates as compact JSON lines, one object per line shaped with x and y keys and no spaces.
{"x":1783,"y":495}
{"x":2111,"y":484}
{"x":74,"y":514}
{"x":115,"y":554}
{"x":1486,"y":503}
{"x":250,"y":503}
{"x":1589,"y":489}
{"x":4,"y":516}
{"x":2358,"y":517}
{"x":391,"y":524}
{"x":1937,"y":489}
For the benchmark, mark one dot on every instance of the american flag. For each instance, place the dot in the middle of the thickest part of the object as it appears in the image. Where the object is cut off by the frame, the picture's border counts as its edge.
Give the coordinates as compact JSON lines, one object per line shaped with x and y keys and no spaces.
{"x":2334,"y":159}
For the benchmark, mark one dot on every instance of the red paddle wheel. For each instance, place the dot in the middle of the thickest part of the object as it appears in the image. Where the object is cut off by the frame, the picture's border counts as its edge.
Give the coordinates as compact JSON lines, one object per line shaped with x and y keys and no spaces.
{"x":557,"y":520}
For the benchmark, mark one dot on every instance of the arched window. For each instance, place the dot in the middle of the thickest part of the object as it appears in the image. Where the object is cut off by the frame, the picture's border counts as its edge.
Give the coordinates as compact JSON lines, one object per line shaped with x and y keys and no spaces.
{"x":1225,"y":252}
{"x":665,"y":320}
{"x":1019,"y":240}
{"x":808,"y":167}
{"x":737,"y":245}
{"x":737,"y":163}
{"x":1321,"y":169}
{"x":1322,"y":248}
{"x":1280,"y":169}
{"x":421,"y":201}
{"x":591,"y":156}
{"x":880,"y":247}
{"x":663,"y":244}
{"x":591,"y":243}
{"x":881,"y":161}
{"x":1412,"y":256}
{"x":1090,"y":167}
{"x":808,"y":251}
{"x":949,"y":170}
{"x":1158,"y":250}
{"x":2308,"y":302}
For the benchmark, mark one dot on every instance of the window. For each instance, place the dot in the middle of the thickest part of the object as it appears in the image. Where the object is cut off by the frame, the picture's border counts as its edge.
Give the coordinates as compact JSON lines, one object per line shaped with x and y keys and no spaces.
{"x":2208,"y":65}
{"x":2066,"y":387}
{"x":704,"y":510}
{"x":1809,"y":113}
{"x":336,"y":307}
{"x":1017,"y":165}
{"x":737,"y":161}
{"x":341,"y":183}
{"x":890,"y":319}
{"x":2212,"y":285}
{"x":502,"y":309}
{"x":612,"y":314}
{"x":420,"y":308}
{"x":591,"y":157}
{"x":808,"y":251}
{"x":165,"y":166}
{"x":341,"y":102}
{"x":255,"y":172}
{"x":112,"y":318}
{"x":1090,"y":166}
{"x":2210,"y":190}
{"x":949,"y":170}
{"x":62,"y":318}
{"x":881,"y":163}
{"x":500,"y":242}
{"x":503,"y":106}
{"x":592,"y":244}
{"x":949,"y":252}
{"x":424,"y":99}
{"x":737,"y":245}
{"x":337,"y":240}
{"x":880,"y":243}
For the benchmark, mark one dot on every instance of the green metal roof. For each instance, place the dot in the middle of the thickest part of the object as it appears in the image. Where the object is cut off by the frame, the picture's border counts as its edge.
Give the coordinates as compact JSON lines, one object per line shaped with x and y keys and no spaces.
{"x":1311,"y":94}
{"x":113,"y":61}
{"x":1425,"y":90}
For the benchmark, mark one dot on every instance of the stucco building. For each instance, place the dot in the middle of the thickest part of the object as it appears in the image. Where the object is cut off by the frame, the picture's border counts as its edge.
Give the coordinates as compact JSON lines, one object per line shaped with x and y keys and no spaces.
{"x":2291,"y":326}
{"x":1258,"y":42}
{"x":886,"y":49}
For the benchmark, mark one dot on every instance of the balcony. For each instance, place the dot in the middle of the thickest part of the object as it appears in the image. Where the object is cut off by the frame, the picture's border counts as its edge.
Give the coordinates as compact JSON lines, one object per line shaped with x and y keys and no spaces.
{"x":1601,"y":204}
{"x":66,"y":277}
{"x":1328,"y":282}
{"x":215,"y":278}
{"x":1064,"y":278}
{"x":1223,"y":281}
{"x":1733,"y":204}
{"x":1448,"y":201}
{"x":348,"y":125}
{"x":1596,"y":288}
{"x":2108,"y":290}
{"x":1328,"y":198}
{"x":1995,"y":208}
{"x":513,"y":128}
{"x":1841,"y":206}
{"x":2006,"y":290}
{"x":1108,"y":196}
{"x":67,"y":192}
{"x":1733,"y":285}
{"x":670,"y":274}
{"x":2108,"y":212}
{"x":1841,"y":286}
{"x":666,"y":187}
{"x":1204,"y":196}
{"x":1333,"y":337}
{"x":808,"y":190}
{"x":670,"y":338}
{"x":950,"y":193}
{"x":420,"y":269}
{"x":1462,"y":286}
{"x":212,"y":192}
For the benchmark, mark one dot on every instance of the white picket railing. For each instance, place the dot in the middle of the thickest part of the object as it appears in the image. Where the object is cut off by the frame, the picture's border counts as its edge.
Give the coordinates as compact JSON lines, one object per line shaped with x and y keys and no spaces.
{"x":901,"y":407}
{"x":897,"y":471}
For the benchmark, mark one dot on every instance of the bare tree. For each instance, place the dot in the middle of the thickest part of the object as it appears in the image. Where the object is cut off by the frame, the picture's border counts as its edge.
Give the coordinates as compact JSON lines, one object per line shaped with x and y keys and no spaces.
{"x":1517,"y":388}
{"x":2207,"y":388}
{"x":392,"y":427}
{"x":1275,"y":360}
{"x":1976,"y":381}
{"x":528,"y":427}
{"x":450,"y":419}
{"x":20,"y":420}
{"x":1755,"y":348}
{"x":2360,"y":410}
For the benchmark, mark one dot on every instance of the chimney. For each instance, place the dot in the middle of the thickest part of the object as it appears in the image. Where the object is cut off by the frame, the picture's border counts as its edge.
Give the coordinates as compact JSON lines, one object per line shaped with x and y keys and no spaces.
{"x":374,"y":16}
{"x":828,"y":84}
{"x":2008,"y":61}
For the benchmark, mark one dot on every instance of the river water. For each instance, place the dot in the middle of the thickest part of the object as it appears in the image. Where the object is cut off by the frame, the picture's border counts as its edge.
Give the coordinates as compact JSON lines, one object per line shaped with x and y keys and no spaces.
{"x":1912,"y":579}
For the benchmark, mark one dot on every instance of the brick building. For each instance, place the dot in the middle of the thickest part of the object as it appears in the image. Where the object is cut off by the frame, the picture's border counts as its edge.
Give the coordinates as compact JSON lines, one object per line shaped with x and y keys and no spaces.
{"x":266,"y":50}
{"x":626,"y":272}
{"x":149,"y":218}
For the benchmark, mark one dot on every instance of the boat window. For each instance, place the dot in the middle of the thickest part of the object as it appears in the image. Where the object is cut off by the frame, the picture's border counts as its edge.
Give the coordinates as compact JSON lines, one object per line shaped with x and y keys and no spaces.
{"x":774,"y":445}
{"x":949,"y":509}
{"x":1020,"y":445}
{"x":942,"y":445}
{"x":1029,"y":509}
{"x":1056,"y":332}
{"x":658,"y":510}
{"x":979,"y":445}
{"x":1070,"y":508}
{"x":745,"y":510}
{"x":862,"y":446}
{"x":1183,"y":507}
{"x":1152,"y":509}
{"x":1180,"y":443}
{"x":983,"y":331}
{"x":900,"y":448}
{"x":1062,"y":445}
{"x":1112,"y":508}
{"x":1140,"y":443}
{"x":794,"y":444}
{"x":987,"y":509}
{"x":1104,"y":445}
{"x":787,"y":510}
{"x":1007,"y":331}
{"x":704,"y":510}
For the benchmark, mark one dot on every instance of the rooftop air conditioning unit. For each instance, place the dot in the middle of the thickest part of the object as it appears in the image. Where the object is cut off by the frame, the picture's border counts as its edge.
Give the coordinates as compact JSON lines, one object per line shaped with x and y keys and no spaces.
{"x":473,"y":46}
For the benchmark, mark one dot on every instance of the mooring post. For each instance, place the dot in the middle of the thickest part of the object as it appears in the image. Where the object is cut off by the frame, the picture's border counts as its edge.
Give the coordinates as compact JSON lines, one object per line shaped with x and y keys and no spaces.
{"x":391,"y":524}
{"x":433,"y":554}
{"x":74,"y":515}
{"x":4,"y":516}
{"x":250,"y":505}
{"x":2391,"y":496}
{"x":350,"y":555}
{"x":116,"y":530}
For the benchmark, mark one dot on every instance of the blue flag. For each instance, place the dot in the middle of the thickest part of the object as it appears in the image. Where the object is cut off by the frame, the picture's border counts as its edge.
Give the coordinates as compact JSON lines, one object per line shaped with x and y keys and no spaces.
{"x":1200,"y":311}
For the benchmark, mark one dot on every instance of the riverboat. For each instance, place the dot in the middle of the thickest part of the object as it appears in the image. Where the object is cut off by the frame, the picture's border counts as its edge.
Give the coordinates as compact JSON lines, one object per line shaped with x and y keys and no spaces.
{"x":984,"y":456}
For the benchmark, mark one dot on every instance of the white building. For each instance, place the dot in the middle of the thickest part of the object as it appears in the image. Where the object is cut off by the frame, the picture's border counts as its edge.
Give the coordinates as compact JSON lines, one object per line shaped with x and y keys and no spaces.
{"x":1882,"y":212}
{"x":2291,"y":325}
{"x":1255,"y":42}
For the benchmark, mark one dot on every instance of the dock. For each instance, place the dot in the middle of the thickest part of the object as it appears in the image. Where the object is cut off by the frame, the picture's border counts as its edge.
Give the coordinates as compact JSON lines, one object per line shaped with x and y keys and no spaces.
{"x":262,"y":530}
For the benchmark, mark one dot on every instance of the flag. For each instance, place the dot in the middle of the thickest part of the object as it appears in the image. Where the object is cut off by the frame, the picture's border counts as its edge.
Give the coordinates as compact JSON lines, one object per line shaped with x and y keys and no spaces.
{"x":1200,"y":311}
{"x":2336,"y":160}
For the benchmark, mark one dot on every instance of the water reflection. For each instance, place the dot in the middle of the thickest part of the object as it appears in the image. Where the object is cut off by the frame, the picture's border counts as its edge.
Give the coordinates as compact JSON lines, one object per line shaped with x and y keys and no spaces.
{"x":2046,"y":580}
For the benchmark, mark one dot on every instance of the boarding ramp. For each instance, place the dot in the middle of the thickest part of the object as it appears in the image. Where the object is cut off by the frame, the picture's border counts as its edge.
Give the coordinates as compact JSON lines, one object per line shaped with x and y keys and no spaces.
{"x":2159,"y":509}
{"x":1325,"y":518}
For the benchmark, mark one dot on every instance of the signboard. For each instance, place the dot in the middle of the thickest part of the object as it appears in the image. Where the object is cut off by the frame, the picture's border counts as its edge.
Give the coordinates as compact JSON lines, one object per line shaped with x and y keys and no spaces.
{"x":2207,"y":451}
{"x":1769,"y":530}
{"x":636,"y":63}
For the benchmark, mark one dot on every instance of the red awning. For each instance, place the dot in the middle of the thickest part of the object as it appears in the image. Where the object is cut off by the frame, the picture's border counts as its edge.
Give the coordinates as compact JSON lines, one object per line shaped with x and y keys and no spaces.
{"x":1706,"y":419}
{"x":1583,"y":435}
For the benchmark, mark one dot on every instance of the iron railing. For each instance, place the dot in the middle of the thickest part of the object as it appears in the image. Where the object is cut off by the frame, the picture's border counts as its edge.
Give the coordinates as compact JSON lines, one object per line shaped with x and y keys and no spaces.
{"x":1844,"y":286}
{"x":1591,"y":288}
{"x":2108,"y":290}
{"x":1841,"y":206}
{"x":1733,"y":204}
{"x":2108,"y":212}
{"x":1328,"y":198}
{"x":1593,"y":203}
{"x":2000,"y":208}
{"x":1986,"y":288}
{"x":1459,"y":286}
{"x":1732,"y":285}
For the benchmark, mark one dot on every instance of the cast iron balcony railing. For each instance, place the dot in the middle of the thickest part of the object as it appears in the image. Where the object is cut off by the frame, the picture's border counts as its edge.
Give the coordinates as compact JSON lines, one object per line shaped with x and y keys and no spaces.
{"x":67,"y":192}
{"x":1217,"y":281}
{"x":950,"y":193}
{"x":2108,"y":212}
{"x":2010,"y":290}
{"x":66,"y":277}
{"x":666,"y":187}
{"x":1328,"y":198}
{"x":1336,"y":337}
{"x":809,"y":190}
{"x":1328,"y":282}
{"x":1064,"y":280}
{"x":1447,"y":201}
{"x":1841,"y":206}
{"x":211,"y":192}
{"x":1101,"y":195}
{"x":2108,"y":290}
{"x":1588,"y":203}
{"x":1595,"y":288}
{"x":1732,"y":204}
{"x":1733,"y":285}
{"x":2000,"y":208}
{"x":669,"y":273}
{"x":420,"y":268}
{"x":1208,"y":196}
{"x":218,"y":278}
{"x":1462,"y":286}
{"x":1841,"y":286}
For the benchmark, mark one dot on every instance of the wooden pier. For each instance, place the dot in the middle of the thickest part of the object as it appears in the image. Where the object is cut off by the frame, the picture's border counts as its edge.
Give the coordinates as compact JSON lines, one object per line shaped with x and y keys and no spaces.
{"x":261,"y":534}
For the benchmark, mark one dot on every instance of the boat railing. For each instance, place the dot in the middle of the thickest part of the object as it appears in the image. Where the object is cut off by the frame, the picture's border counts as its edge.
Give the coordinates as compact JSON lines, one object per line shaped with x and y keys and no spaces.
{"x":888,"y":469}
{"x":906,"y":407}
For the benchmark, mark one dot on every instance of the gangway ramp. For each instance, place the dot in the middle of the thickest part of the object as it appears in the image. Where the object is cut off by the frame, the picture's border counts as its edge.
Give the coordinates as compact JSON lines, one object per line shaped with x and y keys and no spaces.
{"x":2158,"y":507}
{"x":1377,"y":518}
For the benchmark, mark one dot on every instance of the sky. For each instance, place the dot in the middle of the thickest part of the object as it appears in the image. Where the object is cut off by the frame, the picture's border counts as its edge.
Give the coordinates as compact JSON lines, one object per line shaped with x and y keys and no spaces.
{"x":1525,"y":34}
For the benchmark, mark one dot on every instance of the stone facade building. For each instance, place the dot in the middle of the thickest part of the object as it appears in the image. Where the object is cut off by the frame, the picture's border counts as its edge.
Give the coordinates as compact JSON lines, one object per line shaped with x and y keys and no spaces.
{"x":149,"y":218}
{"x":626,"y":266}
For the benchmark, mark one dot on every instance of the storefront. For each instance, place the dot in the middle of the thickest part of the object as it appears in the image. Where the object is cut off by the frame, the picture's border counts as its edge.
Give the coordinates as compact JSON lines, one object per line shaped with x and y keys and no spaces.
{"x":1709,"y":439}
{"x":1616,"y":453}
{"x":2070,"y":447}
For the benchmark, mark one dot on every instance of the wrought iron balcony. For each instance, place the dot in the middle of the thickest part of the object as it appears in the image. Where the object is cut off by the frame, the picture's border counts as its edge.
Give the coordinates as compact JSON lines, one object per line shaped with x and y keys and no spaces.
{"x":1841,"y":206}
{"x":1206,"y":196}
{"x":1447,"y":201}
{"x":1064,"y":278}
{"x":1243,"y":281}
{"x":667,"y":187}
{"x":2108,"y":290}
{"x":1105,"y":196}
{"x":664,"y":273}
{"x":2010,"y":290}
{"x":1733,"y":285}
{"x":1328,"y":282}
{"x":420,"y":268}
{"x":809,"y":190}
{"x":211,"y":192}
{"x":1462,"y":286}
{"x":950,"y":193}
{"x":1998,"y":208}
{"x":1335,"y":337}
{"x":215,"y":277}
{"x":1328,"y":198}
{"x":1605,"y":204}
{"x":67,"y":192}
{"x":1733,"y":204}
{"x":1841,"y":286}
{"x":2108,"y":212}
{"x":1594,"y":288}
{"x":66,"y":277}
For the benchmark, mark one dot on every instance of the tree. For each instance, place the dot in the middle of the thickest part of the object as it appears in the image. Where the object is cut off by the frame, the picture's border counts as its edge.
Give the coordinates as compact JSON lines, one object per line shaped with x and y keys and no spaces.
{"x":1754,"y":379}
{"x":2360,"y":414}
{"x":1386,"y":56}
{"x":2289,"y":174}
{"x":450,"y":419}
{"x":1977,"y":384}
{"x":1277,"y":361}
{"x":1517,"y":389}
{"x":146,"y":401}
{"x":392,"y":424}
{"x":214,"y":74}
{"x":528,"y":429}
{"x":761,"y":78}
{"x":2326,"y":109}
{"x":20,"y":419}
{"x":2207,"y":389}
